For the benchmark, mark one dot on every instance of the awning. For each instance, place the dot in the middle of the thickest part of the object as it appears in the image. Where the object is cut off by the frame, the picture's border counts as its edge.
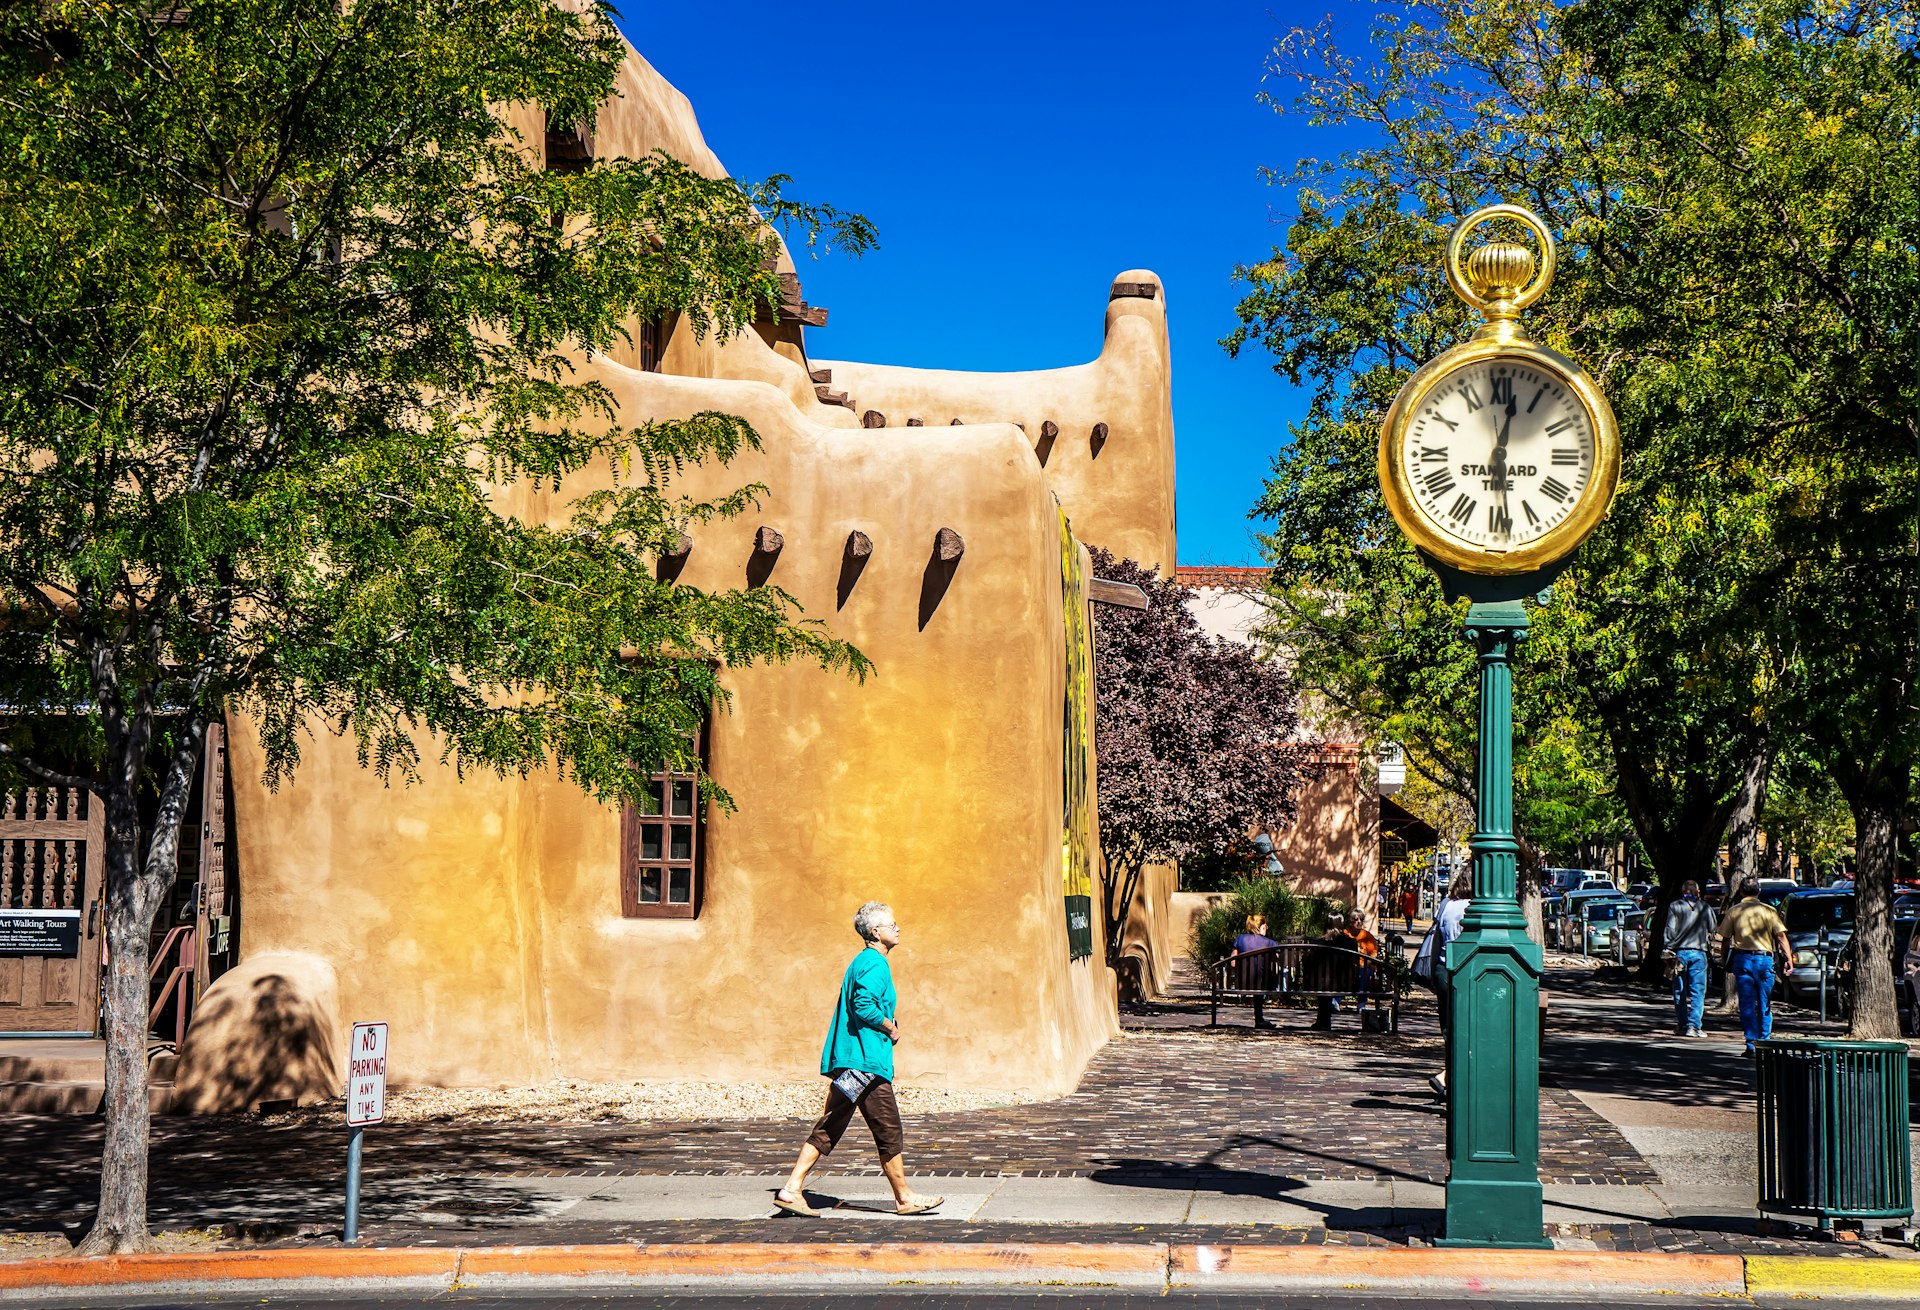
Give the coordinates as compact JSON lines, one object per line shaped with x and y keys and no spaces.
{"x":1395,"y":821}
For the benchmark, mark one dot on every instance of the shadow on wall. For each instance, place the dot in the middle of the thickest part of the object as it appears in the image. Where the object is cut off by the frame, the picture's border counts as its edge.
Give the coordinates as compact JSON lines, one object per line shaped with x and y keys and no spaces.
{"x":263,"y":1033}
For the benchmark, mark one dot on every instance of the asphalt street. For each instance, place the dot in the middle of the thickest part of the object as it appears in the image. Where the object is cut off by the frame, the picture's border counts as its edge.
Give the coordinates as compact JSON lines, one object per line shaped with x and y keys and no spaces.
{"x":902,"y":1299}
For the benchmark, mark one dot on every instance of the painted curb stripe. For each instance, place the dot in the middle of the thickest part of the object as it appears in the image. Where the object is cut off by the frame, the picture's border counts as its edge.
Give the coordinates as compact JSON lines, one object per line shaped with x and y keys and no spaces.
{"x":1377,"y":1268}
{"x":338,"y":1265}
{"x":1461,"y":1270}
{"x":1836,"y":1276}
{"x":1080,"y":1262}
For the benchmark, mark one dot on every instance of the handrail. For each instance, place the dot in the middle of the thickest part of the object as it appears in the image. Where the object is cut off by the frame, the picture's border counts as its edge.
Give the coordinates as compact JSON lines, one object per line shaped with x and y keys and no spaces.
{"x":159,"y":960}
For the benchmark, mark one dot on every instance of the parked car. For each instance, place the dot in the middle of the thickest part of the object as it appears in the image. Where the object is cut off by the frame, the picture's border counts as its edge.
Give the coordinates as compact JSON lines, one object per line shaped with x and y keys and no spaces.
{"x":1714,"y":893}
{"x":1633,"y":937}
{"x":1641,"y":893}
{"x":1807,"y":911}
{"x":1840,"y":990}
{"x":1906,"y":985}
{"x":1600,"y":918}
{"x":1774,"y":891}
{"x":1569,"y":938}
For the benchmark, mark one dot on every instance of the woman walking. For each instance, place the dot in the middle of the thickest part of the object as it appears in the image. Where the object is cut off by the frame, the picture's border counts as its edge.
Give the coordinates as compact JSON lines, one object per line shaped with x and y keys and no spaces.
{"x":858,"y":1057}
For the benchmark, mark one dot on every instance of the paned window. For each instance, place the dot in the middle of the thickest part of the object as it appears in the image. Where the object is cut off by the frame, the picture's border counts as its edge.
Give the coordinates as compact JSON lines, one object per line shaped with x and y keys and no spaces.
{"x":661,"y":844}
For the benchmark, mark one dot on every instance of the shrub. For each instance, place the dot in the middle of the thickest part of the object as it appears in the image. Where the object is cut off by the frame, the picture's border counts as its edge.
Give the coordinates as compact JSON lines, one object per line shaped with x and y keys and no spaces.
{"x":1288,"y":914}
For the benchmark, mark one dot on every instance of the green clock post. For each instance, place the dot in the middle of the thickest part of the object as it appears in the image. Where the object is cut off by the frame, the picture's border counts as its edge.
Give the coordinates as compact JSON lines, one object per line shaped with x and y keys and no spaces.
{"x":1497,"y":459}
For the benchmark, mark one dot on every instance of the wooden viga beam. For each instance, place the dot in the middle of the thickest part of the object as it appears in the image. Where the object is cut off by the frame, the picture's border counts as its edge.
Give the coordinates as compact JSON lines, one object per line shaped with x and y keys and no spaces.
{"x":1105,"y":591}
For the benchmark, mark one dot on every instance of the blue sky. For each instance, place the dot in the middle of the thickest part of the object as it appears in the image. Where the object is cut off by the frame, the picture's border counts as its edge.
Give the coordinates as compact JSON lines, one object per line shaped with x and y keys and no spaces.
{"x":1015,"y":156}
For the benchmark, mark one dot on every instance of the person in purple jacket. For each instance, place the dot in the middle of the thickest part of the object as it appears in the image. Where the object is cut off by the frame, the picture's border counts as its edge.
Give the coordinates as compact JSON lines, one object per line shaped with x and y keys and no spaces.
{"x":858,"y":1057}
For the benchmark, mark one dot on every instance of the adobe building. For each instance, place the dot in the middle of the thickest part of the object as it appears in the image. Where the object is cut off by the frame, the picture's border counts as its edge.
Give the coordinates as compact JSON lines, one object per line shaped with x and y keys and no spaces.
{"x":514,"y":931}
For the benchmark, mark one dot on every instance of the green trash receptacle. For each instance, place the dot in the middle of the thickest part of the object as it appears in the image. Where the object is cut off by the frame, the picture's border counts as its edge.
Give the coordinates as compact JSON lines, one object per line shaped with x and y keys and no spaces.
{"x":1833,"y":1130}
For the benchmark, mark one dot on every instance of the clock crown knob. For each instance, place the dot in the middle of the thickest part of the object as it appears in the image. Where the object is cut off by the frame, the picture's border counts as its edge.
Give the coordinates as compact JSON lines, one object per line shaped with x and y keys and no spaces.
{"x":1499,"y":271}
{"x":1500,"y":278}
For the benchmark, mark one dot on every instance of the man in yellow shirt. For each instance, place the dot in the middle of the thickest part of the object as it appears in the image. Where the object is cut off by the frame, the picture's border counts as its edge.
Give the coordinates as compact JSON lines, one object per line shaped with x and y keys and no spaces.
{"x":1753,"y":932}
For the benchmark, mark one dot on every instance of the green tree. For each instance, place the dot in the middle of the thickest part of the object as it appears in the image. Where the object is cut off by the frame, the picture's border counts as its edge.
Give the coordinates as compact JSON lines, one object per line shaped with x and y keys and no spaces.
{"x":285,"y":304}
{"x":1734,"y":188}
{"x":1194,"y":736}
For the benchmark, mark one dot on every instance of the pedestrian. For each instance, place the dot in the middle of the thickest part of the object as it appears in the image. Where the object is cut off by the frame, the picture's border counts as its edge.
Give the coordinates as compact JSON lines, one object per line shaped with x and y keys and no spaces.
{"x":1352,"y":934}
{"x":1753,"y":931}
{"x":1409,"y":903}
{"x":858,"y":1058}
{"x":1688,"y":926}
{"x":1447,"y":922}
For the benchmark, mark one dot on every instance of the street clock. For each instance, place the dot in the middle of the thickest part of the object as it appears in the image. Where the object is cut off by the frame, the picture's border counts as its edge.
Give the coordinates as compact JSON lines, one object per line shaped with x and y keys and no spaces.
{"x":1499,"y":456}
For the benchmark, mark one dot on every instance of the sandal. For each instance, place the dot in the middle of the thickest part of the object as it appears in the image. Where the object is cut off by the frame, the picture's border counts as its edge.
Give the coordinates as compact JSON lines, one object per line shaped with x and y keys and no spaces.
{"x":923,"y":1207}
{"x":799,"y":1207}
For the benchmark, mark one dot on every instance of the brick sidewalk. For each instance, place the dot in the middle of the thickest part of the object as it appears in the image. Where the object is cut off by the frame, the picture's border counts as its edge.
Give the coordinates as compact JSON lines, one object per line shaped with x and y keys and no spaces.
{"x":1171,"y":1104}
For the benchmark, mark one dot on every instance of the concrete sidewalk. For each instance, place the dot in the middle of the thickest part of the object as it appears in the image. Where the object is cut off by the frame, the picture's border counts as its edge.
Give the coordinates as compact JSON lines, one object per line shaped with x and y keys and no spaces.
{"x":1349,"y":1204}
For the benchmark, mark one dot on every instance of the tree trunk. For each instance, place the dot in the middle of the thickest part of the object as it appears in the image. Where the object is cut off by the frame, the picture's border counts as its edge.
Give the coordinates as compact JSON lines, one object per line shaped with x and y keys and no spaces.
{"x":1743,"y":844}
{"x":121,"y":1224}
{"x":1123,"y":877}
{"x":1743,"y":825}
{"x":1876,"y":818}
{"x":135,"y":890}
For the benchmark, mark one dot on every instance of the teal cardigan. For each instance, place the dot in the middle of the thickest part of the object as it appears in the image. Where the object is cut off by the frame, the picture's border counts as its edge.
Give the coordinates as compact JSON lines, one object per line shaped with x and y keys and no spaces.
{"x":855,"y":1039}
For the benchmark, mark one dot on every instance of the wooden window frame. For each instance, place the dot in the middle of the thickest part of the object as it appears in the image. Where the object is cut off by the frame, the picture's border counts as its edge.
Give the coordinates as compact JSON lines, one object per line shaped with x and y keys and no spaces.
{"x":633,"y":867}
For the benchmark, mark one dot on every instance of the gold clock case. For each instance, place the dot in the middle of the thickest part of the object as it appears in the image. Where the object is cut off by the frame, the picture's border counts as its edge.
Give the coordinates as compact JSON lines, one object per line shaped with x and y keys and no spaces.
{"x":1559,"y":541}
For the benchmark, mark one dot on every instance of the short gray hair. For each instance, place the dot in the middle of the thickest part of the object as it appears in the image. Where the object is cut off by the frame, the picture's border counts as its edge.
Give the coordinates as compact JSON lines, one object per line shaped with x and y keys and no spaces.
{"x":868,"y":917}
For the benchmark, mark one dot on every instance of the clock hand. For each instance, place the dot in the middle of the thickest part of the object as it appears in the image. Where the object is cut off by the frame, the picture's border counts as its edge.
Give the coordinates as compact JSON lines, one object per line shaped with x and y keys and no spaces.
{"x":1497,"y":468}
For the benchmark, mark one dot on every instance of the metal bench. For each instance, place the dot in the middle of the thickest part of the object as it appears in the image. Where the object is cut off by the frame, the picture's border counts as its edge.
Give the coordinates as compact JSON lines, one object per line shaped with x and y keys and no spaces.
{"x":1304,"y":971}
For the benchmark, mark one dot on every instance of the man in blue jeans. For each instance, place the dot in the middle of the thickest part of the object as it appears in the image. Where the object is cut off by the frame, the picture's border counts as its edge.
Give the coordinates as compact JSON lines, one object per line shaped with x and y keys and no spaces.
{"x":1753,"y":932}
{"x":1688,"y":926}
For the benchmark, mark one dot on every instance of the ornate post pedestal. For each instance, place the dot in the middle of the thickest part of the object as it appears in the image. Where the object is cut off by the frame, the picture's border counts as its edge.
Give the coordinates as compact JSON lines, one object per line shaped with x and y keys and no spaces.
{"x":1493,"y":1046}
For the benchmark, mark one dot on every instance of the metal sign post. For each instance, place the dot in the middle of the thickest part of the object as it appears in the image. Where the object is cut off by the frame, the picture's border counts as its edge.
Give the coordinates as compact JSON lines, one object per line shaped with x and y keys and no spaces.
{"x":366,"y":1104}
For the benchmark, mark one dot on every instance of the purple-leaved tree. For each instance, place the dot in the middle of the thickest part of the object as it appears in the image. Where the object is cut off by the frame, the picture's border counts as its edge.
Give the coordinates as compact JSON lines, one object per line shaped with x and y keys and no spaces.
{"x":1195,"y":737}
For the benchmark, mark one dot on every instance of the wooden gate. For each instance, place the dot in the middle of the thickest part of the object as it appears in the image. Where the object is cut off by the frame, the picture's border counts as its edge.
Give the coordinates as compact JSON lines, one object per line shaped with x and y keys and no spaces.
{"x":52,"y":853}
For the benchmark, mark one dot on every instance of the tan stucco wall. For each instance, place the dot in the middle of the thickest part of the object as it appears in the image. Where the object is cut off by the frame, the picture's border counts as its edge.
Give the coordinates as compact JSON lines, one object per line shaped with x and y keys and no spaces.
{"x":1333,"y":847}
{"x":1150,"y":934}
{"x":1120,"y":498}
{"x":481,"y":918}
{"x":1183,"y":909}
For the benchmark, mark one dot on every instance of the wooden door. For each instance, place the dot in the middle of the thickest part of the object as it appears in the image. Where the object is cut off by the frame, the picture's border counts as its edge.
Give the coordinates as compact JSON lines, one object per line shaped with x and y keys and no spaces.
{"x":52,"y":855}
{"x":213,"y":920}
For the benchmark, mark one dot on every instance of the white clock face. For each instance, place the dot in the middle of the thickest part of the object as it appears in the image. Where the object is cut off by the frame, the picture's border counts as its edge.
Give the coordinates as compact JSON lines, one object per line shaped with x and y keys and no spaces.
{"x":1499,"y":453}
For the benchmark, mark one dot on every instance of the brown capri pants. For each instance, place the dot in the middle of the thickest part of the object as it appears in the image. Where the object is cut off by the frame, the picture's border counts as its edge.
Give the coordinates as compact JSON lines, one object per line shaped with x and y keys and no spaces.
{"x":876,"y":1106}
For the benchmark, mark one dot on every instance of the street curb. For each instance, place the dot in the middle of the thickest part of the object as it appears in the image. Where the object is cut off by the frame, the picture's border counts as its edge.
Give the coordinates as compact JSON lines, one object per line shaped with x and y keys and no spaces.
{"x":1422,"y":1269}
{"x":762,"y":1265}
{"x":1818,"y":1276}
{"x":167,"y":1273}
{"x":1149,"y":1266}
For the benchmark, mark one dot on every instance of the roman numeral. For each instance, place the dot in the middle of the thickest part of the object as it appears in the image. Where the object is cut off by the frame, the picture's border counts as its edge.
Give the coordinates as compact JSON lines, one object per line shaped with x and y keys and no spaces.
{"x":1462,"y":508}
{"x":1498,"y":520}
{"x":1438,"y":417}
{"x":1433,"y":454}
{"x":1566,"y":457}
{"x":1554,"y":490}
{"x":1536,"y":399}
{"x":1438,"y":483}
{"x":1558,"y":426}
{"x":1502,"y":390}
{"x":1473,"y":397}
{"x":1533,"y":520}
